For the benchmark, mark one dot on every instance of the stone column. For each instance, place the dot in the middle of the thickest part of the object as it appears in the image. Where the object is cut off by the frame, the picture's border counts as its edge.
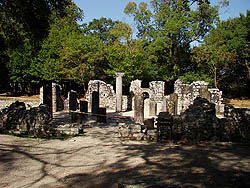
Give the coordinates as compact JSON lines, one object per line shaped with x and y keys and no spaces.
{"x":54,"y":97}
{"x":41,"y":95}
{"x":119,"y":76}
{"x":95,"y":102}
{"x":152,"y":108}
{"x":139,"y":109}
{"x":72,"y":100}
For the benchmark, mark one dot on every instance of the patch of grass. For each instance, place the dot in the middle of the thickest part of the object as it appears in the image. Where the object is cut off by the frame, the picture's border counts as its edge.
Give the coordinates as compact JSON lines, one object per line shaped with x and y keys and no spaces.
{"x":238,"y":103}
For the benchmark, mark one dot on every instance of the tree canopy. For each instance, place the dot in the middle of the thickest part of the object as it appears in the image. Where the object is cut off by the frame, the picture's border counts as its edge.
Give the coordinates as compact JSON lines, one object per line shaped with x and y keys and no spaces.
{"x":43,"y":40}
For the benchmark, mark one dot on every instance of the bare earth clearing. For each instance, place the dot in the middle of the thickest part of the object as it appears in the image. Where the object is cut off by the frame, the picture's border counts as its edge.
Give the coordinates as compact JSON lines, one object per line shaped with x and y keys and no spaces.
{"x":101,"y":159}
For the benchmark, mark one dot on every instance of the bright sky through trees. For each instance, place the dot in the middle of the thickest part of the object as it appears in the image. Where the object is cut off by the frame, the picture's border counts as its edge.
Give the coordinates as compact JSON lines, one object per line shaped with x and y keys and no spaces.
{"x":114,"y":9}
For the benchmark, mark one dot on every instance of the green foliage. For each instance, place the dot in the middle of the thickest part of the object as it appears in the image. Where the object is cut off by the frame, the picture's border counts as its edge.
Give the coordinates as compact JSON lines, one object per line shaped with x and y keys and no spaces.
{"x":169,"y":29}
{"x":83,"y":58}
{"x":101,"y":28}
{"x":32,"y":17}
{"x":225,"y":54}
{"x":24,"y":27}
{"x":131,"y":59}
{"x":47,"y":64}
{"x":190,"y":77}
{"x":42,"y":41}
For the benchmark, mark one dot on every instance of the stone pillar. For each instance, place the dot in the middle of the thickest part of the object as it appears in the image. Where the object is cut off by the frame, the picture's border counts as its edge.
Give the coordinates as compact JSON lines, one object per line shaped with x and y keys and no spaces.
{"x":41,"y":95}
{"x":152,"y":108}
{"x":158,"y":108}
{"x":46,"y":95}
{"x":101,"y":117}
{"x":164,"y":105}
{"x":72,"y":100}
{"x":54,"y":97}
{"x":139,"y":109}
{"x":119,"y":76}
{"x":95,"y":102}
{"x":84,"y":106}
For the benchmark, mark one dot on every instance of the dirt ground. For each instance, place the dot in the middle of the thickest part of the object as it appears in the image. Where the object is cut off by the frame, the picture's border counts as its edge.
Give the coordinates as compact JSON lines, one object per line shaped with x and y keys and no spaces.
{"x":100,"y":159}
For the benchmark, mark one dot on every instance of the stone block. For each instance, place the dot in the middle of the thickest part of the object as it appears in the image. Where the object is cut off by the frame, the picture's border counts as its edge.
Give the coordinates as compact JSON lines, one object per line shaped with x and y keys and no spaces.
{"x":138,"y":136}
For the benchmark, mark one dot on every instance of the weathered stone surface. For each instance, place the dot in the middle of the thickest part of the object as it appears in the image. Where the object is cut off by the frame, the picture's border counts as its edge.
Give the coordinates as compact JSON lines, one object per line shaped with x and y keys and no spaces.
{"x":102,"y":115}
{"x":158,"y":89}
{"x":186,"y":94}
{"x":152,"y":135}
{"x":13,"y":115}
{"x":139,"y":109}
{"x":95,"y":102}
{"x":135,"y":132}
{"x":147,"y":183}
{"x":119,"y":76}
{"x":69,"y":129}
{"x":199,"y":123}
{"x":72,"y":100}
{"x":236,"y":123}
{"x":17,"y":117}
{"x":107,"y":95}
{"x":171,"y":103}
{"x":84,"y":106}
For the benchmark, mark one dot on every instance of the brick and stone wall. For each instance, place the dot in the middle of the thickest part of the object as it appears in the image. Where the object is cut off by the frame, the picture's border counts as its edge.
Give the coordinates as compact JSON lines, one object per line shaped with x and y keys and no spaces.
{"x":107,"y":95}
{"x":28,"y":103}
{"x":186,"y":94}
{"x":200,"y":123}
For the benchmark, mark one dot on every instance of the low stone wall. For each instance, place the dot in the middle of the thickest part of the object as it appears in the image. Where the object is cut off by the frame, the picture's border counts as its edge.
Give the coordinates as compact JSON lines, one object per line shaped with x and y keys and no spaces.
{"x":34,"y":120}
{"x":199,"y":123}
{"x":135,"y":132}
{"x":28,"y":103}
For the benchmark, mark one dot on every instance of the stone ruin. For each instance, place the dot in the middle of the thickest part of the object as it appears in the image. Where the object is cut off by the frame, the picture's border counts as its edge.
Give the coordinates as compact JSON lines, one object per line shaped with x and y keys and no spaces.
{"x":200,"y":123}
{"x":175,"y":113}
{"x":107,"y":96}
{"x":156,"y":100}
{"x":16,"y":117}
{"x":186,"y":94}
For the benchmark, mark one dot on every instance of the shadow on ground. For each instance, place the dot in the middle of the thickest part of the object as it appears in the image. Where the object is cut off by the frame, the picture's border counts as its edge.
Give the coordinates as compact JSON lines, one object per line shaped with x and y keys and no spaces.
{"x":100,"y":159}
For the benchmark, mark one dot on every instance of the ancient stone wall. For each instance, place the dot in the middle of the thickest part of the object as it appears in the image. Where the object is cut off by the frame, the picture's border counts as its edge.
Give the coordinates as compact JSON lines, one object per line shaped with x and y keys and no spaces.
{"x":29,"y":103}
{"x":157,"y":88}
{"x":200,"y":123}
{"x":186,"y":94}
{"x":107,"y":95}
{"x":17,"y":118}
{"x":156,"y":95}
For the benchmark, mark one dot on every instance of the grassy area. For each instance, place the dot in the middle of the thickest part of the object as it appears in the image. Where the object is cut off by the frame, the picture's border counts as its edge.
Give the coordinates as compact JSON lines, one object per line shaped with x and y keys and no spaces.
{"x":20,"y":98}
{"x":238,"y":103}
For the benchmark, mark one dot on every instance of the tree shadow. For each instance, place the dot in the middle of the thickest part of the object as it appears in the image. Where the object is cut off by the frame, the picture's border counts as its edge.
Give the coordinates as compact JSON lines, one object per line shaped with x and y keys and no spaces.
{"x":105,"y":161}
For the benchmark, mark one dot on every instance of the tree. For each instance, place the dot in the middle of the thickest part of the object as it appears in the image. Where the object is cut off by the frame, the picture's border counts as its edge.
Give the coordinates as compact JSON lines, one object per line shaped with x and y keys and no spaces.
{"x":25,"y":26}
{"x":83,"y":58}
{"x":26,"y":16}
{"x":129,"y":56}
{"x":213,"y":58}
{"x":170,"y":28}
{"x":226,"y":52}
{"x":47,"y":64}
{"x":101,"y":28}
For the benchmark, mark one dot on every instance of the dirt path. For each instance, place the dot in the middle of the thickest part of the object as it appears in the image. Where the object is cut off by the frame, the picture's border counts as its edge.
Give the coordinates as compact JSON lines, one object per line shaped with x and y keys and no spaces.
{"x":101,"y":159}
